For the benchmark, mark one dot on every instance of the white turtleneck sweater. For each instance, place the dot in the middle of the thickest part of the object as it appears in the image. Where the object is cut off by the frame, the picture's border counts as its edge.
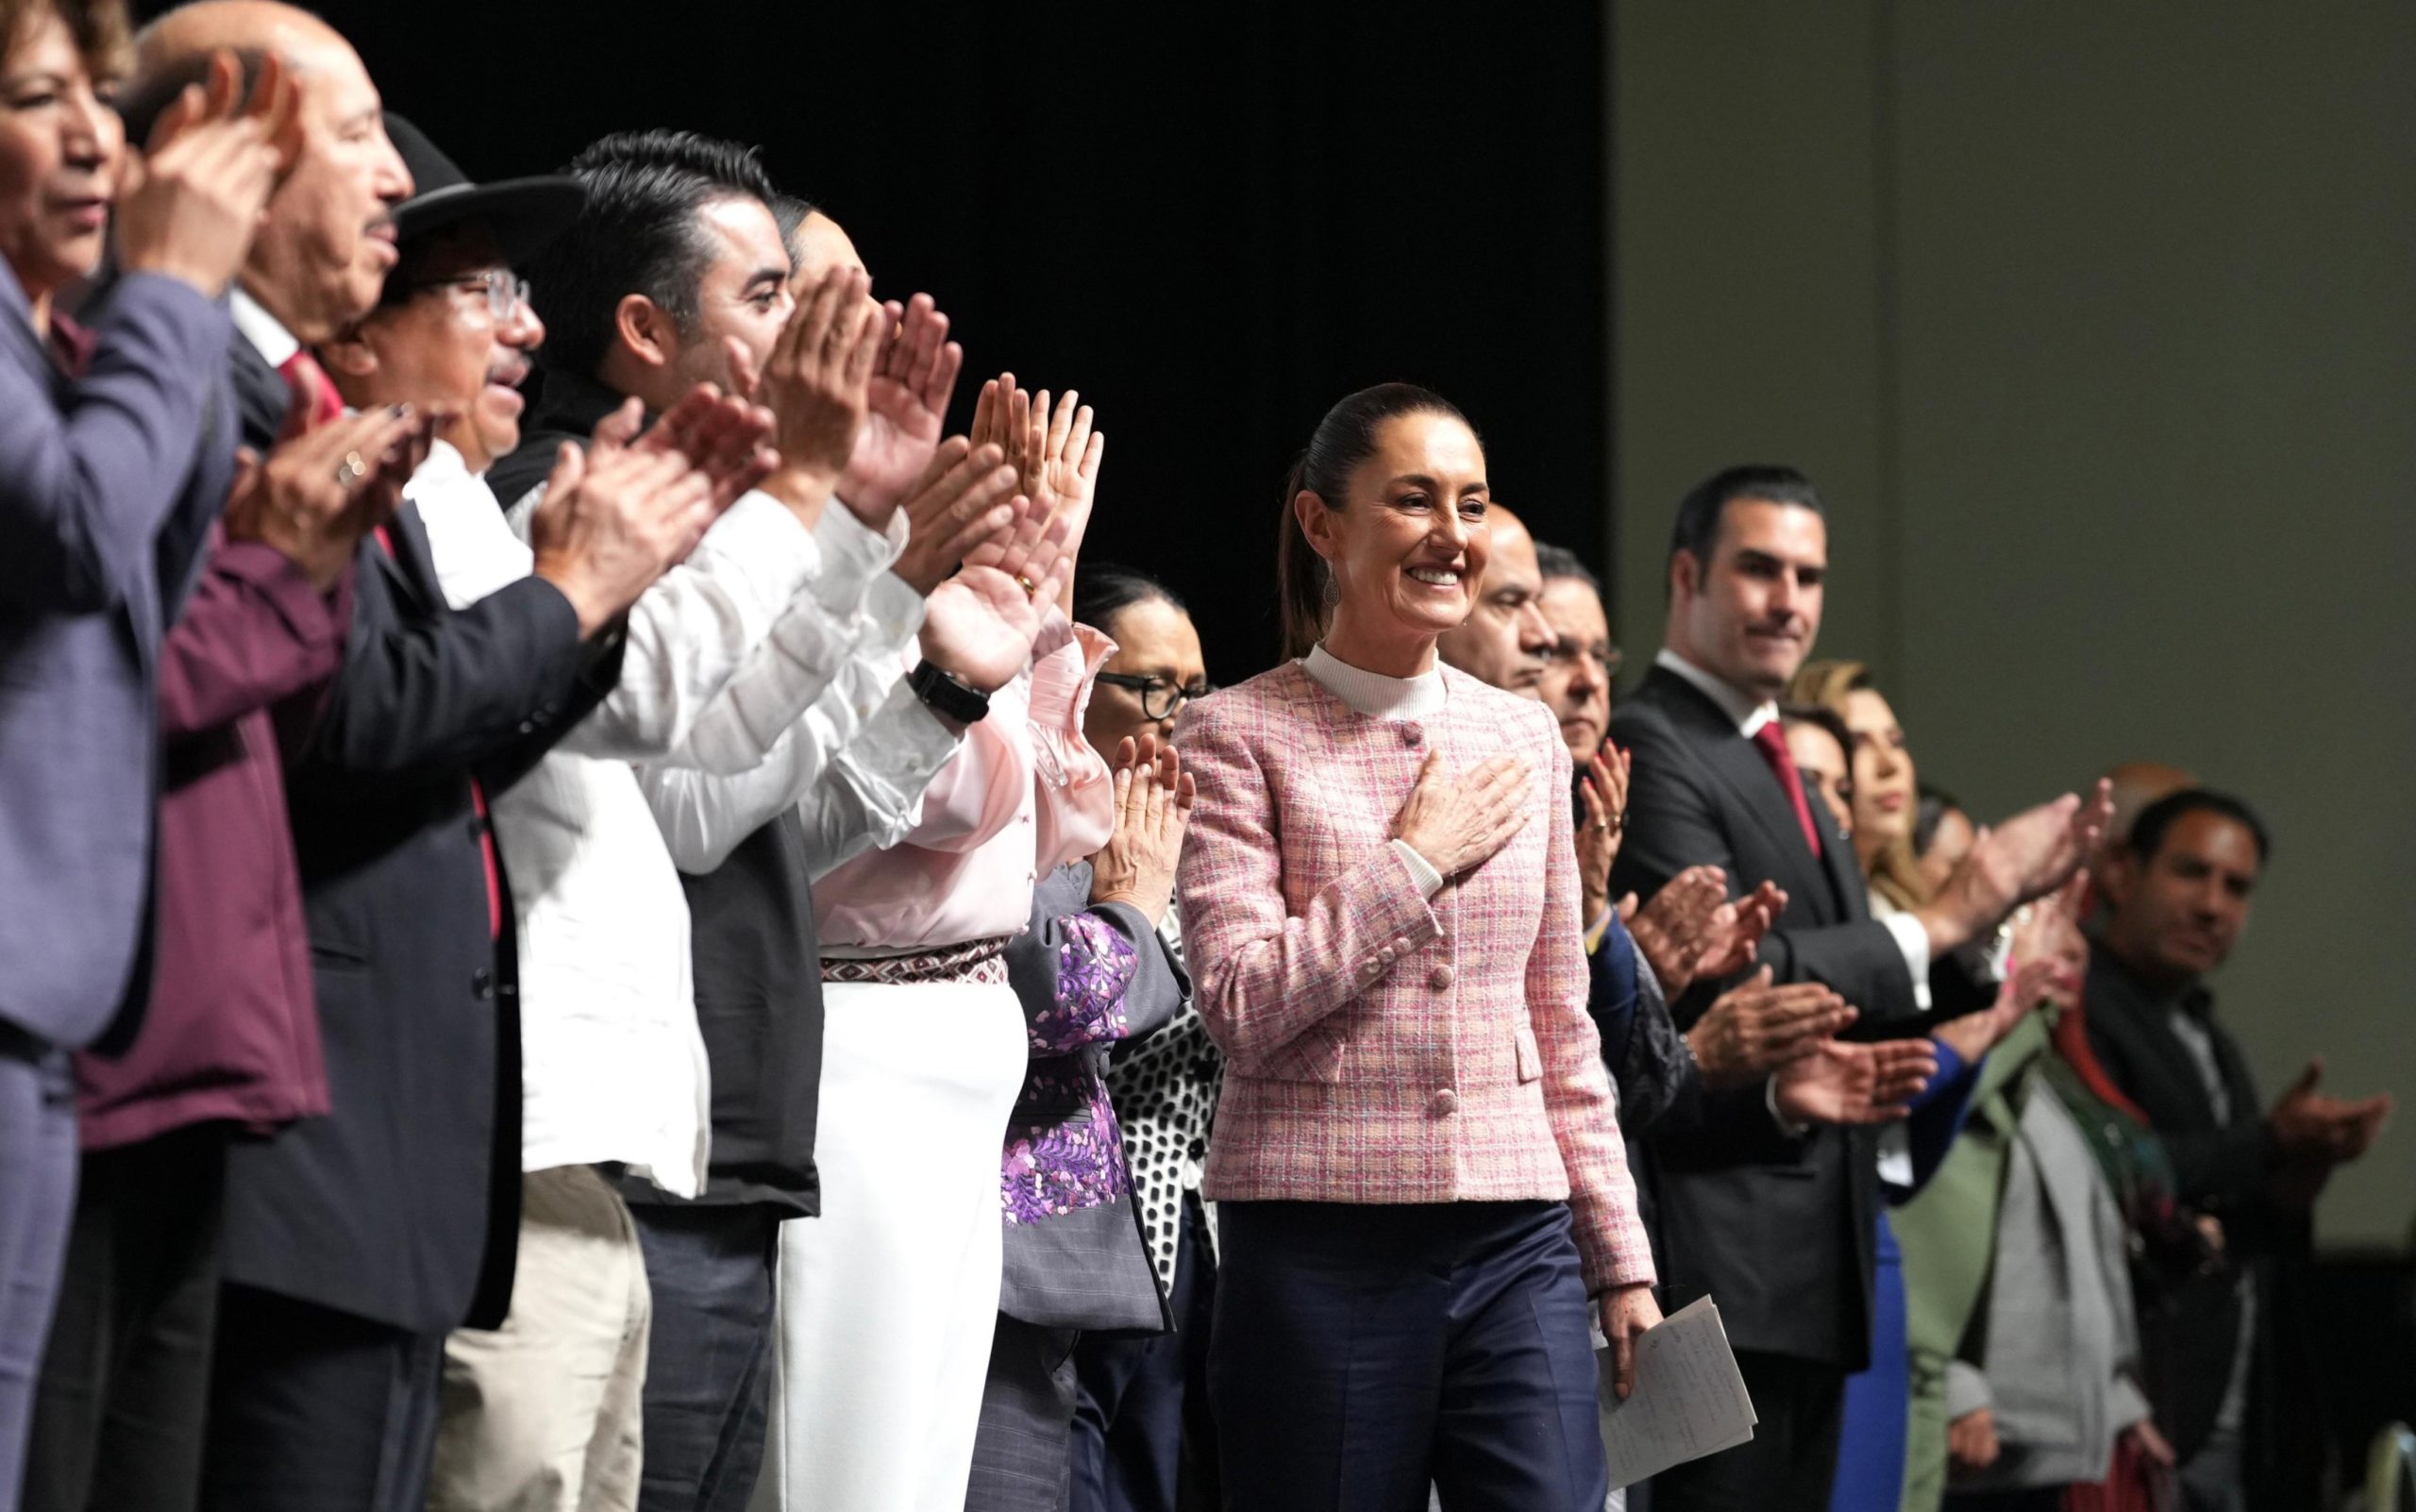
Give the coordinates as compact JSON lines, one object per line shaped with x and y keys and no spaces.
{"x":1379,"y":697}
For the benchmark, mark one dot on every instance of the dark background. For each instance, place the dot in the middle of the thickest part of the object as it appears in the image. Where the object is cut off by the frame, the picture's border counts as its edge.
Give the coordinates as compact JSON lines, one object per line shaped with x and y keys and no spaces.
{"x":1214,"y":222}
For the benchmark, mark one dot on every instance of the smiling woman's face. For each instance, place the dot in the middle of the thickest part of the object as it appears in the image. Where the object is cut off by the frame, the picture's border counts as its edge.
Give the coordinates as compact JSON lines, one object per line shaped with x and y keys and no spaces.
{"x":61,"y":151}
{"x":1409,"y":545}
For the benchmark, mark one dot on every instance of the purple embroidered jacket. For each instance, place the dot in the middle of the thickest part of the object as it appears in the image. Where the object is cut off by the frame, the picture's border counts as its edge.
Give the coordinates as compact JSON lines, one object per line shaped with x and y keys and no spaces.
{"x":1088,"y":977}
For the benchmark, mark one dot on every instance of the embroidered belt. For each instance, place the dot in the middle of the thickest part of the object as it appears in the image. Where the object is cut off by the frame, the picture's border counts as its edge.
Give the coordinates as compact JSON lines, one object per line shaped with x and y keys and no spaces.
{"x":980,"y":961}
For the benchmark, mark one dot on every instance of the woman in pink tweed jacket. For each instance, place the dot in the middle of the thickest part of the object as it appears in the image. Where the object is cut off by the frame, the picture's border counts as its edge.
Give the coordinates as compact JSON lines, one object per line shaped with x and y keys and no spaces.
{"x":1417,"y":1159}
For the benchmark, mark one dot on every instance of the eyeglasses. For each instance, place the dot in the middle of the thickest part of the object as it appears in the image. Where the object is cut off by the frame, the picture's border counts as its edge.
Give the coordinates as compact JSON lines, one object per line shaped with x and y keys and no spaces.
{"x":505,"y":293}
{"x":1610,"y":657}
{"x":1159,"y":698}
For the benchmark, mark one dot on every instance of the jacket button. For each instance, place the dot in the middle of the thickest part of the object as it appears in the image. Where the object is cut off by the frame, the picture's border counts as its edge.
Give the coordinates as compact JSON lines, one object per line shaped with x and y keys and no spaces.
{"x":482,"y":984}
{"x":1443,"y":1103}
{"x":1439,"y":978}
{"x":1412,"y":732}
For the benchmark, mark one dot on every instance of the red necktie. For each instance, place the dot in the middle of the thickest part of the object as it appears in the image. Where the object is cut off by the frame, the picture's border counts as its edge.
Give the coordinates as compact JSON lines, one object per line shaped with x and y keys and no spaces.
{"x":1772,"y":745}
{"x":315,"y":399}
{"x":478,"y":802}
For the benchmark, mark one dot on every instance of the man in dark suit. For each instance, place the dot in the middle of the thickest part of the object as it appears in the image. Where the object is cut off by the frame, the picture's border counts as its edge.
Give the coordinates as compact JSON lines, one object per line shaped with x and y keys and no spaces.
{"x":2177,"y":894}
{"x":1773,"y":1218}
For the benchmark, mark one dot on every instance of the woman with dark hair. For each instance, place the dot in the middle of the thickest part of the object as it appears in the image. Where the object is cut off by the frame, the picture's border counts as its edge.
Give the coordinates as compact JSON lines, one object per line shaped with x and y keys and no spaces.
{"x":1143,"y":1442}
{"x":119,"y":442}
{"x":1423,"y":1194}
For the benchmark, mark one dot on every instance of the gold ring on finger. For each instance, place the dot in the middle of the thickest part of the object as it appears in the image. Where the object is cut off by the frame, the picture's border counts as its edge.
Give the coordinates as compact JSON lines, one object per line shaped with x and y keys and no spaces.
{"x":1028,"y":587}
{"x":351,"y":470}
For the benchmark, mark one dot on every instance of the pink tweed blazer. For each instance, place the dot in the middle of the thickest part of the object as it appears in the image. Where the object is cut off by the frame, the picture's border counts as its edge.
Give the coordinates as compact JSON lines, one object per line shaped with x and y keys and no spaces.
{"x":1382,"y":1049}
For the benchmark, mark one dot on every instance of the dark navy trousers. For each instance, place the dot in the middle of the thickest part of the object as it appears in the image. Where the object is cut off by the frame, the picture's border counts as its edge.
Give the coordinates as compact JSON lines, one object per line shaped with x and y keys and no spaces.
{"x":1144,"y":1439}
{"x":1362,"y":1351}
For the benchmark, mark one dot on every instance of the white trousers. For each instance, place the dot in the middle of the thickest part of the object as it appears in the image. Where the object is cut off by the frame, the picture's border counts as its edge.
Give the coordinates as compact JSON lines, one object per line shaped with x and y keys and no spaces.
{"x":888,"y":1300}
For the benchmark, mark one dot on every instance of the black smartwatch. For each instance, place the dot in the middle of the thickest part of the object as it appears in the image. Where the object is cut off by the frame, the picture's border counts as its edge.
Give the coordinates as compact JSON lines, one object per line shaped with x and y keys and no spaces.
{"x":945,"y":696}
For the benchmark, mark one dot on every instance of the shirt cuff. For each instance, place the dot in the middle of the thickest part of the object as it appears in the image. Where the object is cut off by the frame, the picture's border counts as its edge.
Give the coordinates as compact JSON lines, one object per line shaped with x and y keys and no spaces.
{"x":1769,"y":1099}
{"x":1421,"y":871}
{"x":1061,"y":679}
{"x":853,"y":555}
{"x":1913,"y":941}
{"x":894,"y":610}
{"x":904,"y":741}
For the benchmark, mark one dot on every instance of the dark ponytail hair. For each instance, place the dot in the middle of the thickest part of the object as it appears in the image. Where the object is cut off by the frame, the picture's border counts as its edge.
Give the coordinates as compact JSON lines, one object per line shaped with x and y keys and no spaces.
{"x":1103,"y":590}
{"x":1344,"y":439}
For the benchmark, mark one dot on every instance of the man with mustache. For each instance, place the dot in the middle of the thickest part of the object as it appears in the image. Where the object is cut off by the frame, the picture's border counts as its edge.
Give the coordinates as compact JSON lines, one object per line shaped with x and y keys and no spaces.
{"x":328,"y":238}
{"x":2177,"y":894}
{"x":1775,"y":1219}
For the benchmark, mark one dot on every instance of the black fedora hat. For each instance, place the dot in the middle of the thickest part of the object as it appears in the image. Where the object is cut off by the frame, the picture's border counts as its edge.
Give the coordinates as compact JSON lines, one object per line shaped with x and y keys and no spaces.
{"x":521,"y":213}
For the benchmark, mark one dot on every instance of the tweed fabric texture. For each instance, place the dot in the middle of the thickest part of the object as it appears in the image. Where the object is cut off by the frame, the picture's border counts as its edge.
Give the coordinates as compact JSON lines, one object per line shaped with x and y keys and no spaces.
{"x":1383,"y":1048}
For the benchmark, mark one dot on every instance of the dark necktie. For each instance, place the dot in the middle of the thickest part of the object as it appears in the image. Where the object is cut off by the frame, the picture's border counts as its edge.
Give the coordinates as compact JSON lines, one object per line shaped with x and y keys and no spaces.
{"x":1772,"y":741}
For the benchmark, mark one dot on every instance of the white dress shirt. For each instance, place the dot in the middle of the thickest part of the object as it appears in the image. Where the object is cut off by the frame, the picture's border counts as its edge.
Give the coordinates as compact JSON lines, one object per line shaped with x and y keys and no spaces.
{"x":1912,"y":940}
{"x":856,"y":761}
{"x":267,"y":334}
{"x":613,"y":1067}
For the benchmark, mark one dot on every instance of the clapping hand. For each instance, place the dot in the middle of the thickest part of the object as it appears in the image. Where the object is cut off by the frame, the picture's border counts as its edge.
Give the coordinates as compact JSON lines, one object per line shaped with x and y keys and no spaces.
{"x":816,"y":383}
{"x":2312,"y":1132}
{"x":2026,"y":857}
{"x":608,"y":528}
{"x":1691,"y":930}
{"x":1057,"y":452}
{"x":723,"y":437}
{"x":963,"y":502}
{"x":1153,"y":800}
{"x":318,"y":494}
{"x":979,"y":626}
{"x":1855,"y":1084}
{"x":1603,"y":791}
{"x":191,"y":201}
{"x":905,"y":400}
{"x":1755,"y":1028}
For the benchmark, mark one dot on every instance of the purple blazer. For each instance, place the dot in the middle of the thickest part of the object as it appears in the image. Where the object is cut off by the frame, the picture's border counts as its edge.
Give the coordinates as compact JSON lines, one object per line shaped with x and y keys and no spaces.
{"x":233,"y":1027}
{"x":112,"y":482}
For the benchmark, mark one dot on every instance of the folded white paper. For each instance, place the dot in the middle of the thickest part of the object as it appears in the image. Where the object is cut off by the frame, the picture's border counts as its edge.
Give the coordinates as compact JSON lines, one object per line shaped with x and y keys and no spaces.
{"x":1689,"y":1400}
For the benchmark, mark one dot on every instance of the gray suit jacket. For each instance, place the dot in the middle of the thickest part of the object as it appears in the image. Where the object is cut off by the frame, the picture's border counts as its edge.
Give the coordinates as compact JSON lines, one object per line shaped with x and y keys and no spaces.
{"x":106,"y":496}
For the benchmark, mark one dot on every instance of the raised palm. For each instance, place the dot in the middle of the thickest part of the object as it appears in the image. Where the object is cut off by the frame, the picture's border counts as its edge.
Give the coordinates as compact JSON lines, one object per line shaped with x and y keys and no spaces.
{"x":980,"y":625}
{"x":1841,"y":1082}
{"x":905,"y":401}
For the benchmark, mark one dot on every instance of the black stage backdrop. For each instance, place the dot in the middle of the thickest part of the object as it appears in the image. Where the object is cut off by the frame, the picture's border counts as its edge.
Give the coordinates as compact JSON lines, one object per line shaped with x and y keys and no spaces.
{"x":1212,"y":220}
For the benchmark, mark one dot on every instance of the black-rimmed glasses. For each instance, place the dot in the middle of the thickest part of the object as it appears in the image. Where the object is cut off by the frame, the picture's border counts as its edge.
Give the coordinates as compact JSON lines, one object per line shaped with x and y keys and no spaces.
{"x":1159,"y":698}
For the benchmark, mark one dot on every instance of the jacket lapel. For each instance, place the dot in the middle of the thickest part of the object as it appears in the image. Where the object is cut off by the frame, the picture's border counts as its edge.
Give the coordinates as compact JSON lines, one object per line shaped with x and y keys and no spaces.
{"x":410,"y":567}
{"x":1747,"y":778}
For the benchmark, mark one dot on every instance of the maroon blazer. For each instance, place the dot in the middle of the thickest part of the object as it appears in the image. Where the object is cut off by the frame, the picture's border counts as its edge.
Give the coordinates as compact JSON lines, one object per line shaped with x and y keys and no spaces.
{"x":233,"y":1028}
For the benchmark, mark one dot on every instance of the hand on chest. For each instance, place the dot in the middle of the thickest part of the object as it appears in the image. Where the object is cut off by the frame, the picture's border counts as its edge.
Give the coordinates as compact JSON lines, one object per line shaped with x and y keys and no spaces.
{"x":1341,"y":799}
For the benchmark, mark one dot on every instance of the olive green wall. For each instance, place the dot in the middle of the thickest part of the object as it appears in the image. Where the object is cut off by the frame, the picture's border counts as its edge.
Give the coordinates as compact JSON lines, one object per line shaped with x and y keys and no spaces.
{"x":2096,"y":323}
